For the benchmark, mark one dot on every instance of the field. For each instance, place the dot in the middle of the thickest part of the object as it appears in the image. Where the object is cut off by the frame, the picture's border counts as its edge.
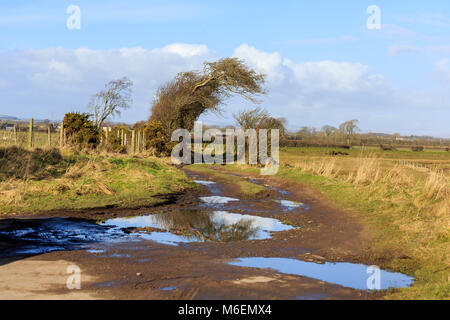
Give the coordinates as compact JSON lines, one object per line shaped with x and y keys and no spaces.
{"x":402,"y":196}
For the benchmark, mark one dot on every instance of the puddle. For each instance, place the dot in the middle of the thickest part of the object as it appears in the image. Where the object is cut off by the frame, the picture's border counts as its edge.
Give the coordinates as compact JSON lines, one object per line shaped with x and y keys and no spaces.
{"x":95,"y":251}
{"x":36,"y":236}
{"x":291,"y":205}
{"x":106,"y":284}
{"x":259,"y":182}
{"x":203,"y":182}
{"x":342,"y":273}
{"x":119,"y":255}
{"x":199,"y":226}
{"x":314,"y":296}
{"x":217,"y":200}
{"x":167,"y":288}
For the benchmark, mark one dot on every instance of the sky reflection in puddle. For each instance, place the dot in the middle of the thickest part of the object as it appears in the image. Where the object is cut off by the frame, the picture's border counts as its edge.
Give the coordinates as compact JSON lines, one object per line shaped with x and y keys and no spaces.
{"x":341,"y":273}
{"x":217,"y":200}
{"x":199,"y":226}
{"x":203,"y":182}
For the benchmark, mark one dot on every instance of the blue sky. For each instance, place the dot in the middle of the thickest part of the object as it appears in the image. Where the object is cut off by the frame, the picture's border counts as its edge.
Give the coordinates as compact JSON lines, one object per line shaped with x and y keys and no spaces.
{"x":324,"y":65}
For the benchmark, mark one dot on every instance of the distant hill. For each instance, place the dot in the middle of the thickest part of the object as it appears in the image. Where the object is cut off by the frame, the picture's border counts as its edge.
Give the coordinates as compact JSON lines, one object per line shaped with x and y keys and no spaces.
{"x":4,"y":117}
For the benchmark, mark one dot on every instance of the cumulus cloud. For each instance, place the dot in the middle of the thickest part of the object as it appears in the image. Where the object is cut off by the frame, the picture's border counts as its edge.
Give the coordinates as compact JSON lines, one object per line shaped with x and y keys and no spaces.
{"x":60,"y":80}
{"x":46,"y":83}
{"x":311,"y":83}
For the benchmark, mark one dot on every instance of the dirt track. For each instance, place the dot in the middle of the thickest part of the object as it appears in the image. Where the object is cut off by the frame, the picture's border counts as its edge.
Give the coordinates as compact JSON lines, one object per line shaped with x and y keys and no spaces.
{"x":140,"y":269}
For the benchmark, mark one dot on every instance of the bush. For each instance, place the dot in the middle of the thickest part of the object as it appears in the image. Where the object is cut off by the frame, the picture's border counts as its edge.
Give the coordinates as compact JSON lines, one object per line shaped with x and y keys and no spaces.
{"x":80,"y":131}
{"x":387,"y":148}
{"x":157,"y":142}
{"x":417,"y":148}
{"x":114,"y":141}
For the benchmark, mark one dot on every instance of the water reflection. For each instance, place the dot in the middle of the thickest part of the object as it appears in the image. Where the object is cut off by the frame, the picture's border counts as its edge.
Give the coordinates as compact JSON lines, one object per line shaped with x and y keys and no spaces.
{"x":343,"y":273}
{"x":199,"y":226}
{"x":217,"y":200}
{"x":36,"y":236}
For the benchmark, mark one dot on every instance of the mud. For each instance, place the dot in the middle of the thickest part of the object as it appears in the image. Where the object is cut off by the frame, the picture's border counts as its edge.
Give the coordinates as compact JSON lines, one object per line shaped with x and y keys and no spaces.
{"x":130,"y":264}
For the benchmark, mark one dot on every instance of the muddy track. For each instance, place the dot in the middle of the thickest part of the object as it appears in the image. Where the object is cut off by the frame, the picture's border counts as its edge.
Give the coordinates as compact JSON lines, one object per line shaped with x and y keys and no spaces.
{"x":199,"y":270}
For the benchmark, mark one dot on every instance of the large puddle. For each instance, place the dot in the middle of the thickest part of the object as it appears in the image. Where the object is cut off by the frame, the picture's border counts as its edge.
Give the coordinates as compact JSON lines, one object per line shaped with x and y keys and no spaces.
{"x":196,"y":225}
{"x":342,"y":273}
{"x":36,"y":236}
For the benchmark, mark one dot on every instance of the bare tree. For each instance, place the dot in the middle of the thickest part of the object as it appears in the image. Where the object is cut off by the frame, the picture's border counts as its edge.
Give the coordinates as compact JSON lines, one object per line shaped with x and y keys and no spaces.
{"x":328,"y":130}
{"x":349,"y":128}
{"x":251,"y":118}
{"x":110,"y":101}
{"x":273,"y":123}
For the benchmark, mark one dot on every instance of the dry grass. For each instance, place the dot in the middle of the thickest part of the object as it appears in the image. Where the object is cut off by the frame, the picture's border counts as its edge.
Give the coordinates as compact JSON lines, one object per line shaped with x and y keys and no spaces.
{"x":41,"y":180}
{"x":407,"y":203}
{"x":326,"y":167}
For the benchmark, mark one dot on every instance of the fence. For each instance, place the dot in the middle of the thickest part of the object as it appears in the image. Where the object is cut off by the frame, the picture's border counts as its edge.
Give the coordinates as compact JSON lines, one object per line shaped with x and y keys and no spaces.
{"x":48,"y":135}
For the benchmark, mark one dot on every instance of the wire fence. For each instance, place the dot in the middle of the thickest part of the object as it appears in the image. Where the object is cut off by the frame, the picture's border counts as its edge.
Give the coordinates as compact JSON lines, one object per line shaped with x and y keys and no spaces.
{"x":50,"y":135}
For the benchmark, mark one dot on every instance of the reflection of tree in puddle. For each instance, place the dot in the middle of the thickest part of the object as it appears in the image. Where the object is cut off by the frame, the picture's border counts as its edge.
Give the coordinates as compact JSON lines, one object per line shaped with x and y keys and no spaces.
{"x":200,"y":225}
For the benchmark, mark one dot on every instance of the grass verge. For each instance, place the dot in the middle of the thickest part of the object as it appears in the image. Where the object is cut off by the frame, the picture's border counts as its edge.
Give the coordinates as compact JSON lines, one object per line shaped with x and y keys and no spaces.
{"x":41,"y":181}
{"x":406,"y":208}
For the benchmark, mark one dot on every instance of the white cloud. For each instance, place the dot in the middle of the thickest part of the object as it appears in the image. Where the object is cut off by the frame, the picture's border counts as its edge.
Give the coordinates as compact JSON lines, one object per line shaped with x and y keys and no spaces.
{"x":432,"y":19}
{"x":60,"y":79}
{"x":186,"y":50}
{"x":43,"y":82}
{"x":310,"y":77}
{"x":443,"y":71}
{"x":396,"y":49}
{"x":393,"y":31}
{"x":406,"y":48}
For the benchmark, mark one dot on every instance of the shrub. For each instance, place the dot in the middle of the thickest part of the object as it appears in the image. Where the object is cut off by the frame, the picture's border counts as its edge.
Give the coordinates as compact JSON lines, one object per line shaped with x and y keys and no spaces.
{"x":80,"y":131}
{"x":387,"y":148}
{"x":114,"y":141}
{"x":157,"y":142}
{"x":417,"y":148}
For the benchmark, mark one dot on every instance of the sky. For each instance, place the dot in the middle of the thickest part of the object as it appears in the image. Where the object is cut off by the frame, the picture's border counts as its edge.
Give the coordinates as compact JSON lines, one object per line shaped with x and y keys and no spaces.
{"x":323,"y":64}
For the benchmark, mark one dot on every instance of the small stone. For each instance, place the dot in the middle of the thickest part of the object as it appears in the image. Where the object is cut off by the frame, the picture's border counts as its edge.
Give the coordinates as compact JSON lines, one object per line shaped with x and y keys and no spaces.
{"x":139,"y":274}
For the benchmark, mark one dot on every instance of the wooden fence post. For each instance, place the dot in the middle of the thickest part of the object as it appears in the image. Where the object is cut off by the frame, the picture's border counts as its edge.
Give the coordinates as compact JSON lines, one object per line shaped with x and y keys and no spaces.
{"x":133,"y":141}
{"x":49,"y":135}
{"x":15,"y":134}
{"x":122,"y":137}
{"x":143,"y":141}
{"x":138,"y":141}
{"x":30,"y":135}
{"x":61,"y":135}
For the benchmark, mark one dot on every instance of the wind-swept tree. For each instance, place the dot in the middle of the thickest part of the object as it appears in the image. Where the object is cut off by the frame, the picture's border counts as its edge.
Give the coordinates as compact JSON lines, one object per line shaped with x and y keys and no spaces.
{"x":110,"y":101}
{"x":179,"y":103}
